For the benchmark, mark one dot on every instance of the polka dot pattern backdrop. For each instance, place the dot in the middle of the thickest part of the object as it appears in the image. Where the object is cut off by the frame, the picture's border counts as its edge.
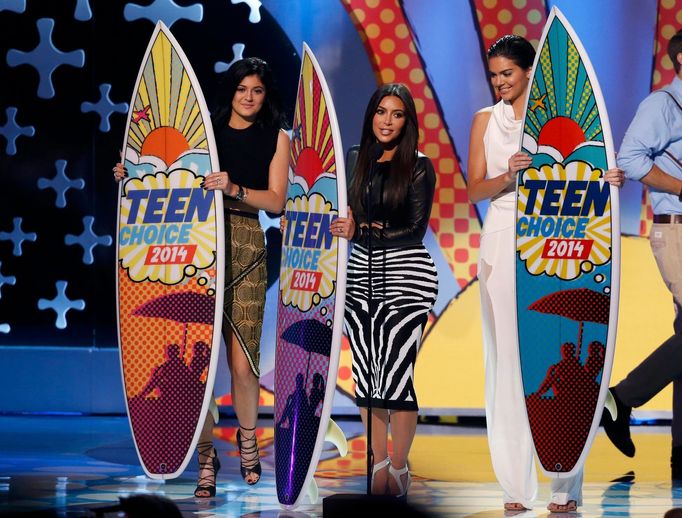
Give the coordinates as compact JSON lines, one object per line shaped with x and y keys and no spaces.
{"x":391,"y":47}
{"x":521,"y":17}
{"x":646,"y":216}
{"x":344,"y":379}
{"x":669,"y":21}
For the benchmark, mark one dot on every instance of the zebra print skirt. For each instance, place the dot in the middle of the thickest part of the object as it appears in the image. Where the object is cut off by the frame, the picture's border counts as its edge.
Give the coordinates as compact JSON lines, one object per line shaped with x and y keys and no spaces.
{"x":404,"y":289}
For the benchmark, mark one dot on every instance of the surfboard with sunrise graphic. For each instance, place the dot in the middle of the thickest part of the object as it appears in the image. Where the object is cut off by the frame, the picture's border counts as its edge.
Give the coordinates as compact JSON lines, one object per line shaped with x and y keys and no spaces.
{"x":567,"y":252}
{"x":312,"y":285}
{"x":170,"y":260}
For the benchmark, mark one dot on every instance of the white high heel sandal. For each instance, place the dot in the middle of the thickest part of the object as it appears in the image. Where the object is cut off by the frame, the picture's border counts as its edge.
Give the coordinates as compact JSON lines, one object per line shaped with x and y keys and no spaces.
{"x":397,"y":476}
{"x":378,"y":467}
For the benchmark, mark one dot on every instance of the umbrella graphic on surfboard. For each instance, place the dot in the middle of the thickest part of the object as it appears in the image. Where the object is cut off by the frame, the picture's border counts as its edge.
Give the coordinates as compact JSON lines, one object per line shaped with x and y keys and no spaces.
{"x":312,"y":285}
{"x":185,"y":307}
{"x":569,"y":379}
{"x":170,"y":260}
{"x":567,"y":260}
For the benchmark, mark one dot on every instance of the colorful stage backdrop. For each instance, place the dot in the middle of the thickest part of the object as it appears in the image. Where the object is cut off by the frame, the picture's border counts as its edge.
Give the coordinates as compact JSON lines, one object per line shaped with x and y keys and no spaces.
{"x":68,"y":70}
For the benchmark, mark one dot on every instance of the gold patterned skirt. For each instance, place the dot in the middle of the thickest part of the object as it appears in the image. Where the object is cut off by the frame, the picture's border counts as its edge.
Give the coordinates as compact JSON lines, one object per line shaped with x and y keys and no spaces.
{"x":245,"y":284}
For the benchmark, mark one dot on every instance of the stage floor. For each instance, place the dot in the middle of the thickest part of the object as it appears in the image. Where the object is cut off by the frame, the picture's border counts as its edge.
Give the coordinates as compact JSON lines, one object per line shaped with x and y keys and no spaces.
{"x":74,"y":465}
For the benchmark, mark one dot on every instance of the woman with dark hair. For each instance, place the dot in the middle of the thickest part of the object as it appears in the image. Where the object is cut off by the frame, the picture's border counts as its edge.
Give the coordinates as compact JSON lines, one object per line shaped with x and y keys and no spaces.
{"x":395,"y":185}
{"x":253,"y":153}
{"x":494,"y":161}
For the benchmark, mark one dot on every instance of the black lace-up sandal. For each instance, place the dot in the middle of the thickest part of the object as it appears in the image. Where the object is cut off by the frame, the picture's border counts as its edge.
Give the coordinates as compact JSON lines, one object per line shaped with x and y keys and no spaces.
{"x":207,"y":484}
{"x":250,"y":456}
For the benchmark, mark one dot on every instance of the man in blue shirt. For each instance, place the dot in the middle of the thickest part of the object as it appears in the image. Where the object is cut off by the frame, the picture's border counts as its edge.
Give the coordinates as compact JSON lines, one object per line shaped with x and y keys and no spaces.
{"x":651,"y":153}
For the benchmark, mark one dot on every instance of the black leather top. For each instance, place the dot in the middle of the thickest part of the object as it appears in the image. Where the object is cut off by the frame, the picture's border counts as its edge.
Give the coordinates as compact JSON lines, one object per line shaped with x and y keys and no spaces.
{"x":402,"y":226}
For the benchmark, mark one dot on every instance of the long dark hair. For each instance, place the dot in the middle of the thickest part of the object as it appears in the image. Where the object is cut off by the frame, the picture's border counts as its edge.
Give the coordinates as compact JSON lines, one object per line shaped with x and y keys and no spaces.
{"x":405,"y":157}
{"x":270,"y":115}
{"x":515,"y":48}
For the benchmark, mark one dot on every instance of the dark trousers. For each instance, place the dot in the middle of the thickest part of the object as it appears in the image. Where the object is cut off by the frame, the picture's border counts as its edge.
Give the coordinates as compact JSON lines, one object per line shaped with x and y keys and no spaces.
{"x":664,"y":365}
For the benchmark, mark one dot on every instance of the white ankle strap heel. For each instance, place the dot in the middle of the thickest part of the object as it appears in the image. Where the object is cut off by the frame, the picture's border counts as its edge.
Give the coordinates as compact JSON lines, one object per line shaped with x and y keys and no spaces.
{"x":397,"y":474}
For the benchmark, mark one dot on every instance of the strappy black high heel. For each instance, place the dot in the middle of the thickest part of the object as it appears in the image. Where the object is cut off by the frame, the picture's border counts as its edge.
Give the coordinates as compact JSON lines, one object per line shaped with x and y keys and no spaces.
{"x":207,"y":482}
{"x":248,"y":463}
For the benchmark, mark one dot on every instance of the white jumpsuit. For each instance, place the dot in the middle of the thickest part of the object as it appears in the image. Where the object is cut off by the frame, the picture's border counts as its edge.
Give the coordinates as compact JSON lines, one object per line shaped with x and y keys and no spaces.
{"x":509,"y":439}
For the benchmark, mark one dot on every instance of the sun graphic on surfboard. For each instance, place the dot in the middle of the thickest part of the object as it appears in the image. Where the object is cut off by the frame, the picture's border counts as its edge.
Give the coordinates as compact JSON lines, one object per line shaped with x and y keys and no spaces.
{"x":312,"y":147}
{"x":167,"y":231}
{"x":562,"y":120}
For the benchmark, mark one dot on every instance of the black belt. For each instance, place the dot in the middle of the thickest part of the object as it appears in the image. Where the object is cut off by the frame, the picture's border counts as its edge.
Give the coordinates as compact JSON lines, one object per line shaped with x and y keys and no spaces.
{"x":667,"y":218}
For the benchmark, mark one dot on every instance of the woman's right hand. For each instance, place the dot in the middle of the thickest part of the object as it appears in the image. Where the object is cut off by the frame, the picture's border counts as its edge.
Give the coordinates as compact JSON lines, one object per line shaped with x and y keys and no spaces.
{"x":120,"y":172}
{"x":516,"y":163}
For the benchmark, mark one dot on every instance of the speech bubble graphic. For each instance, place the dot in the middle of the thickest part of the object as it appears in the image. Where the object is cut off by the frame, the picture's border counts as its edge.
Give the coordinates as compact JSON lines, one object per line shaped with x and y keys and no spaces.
{"x":309,"y":261}
{"x":564,"y":220}
{"x":167,"y":227}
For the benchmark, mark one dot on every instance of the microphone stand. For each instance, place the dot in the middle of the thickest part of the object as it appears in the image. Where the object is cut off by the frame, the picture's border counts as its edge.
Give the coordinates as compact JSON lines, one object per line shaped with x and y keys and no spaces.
{"x":343,"y":505}
{"x":369,"y":330}
{"x":375,"y":151}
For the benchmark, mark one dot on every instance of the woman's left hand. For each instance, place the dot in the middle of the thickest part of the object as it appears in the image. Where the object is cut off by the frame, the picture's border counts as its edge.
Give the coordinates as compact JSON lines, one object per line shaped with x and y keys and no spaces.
{"x":219,"y":181}
{"x":344,"y":227}
{"x":615,"y":177}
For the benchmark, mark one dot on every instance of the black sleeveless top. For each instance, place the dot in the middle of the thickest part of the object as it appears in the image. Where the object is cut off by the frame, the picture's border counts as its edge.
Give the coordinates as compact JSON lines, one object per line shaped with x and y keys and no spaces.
{"x":246,"y":154}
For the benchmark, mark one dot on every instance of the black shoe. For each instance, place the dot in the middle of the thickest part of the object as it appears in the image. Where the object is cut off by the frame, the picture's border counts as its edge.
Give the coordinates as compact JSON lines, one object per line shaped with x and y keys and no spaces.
{"x":207,"y":484}
{"x":250,"y":457}
{"x":618,"y":431}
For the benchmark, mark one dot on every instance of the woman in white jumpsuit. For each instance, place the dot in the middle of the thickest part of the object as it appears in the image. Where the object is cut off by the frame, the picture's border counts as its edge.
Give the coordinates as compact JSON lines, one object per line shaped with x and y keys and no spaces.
{"x":494,"y":161}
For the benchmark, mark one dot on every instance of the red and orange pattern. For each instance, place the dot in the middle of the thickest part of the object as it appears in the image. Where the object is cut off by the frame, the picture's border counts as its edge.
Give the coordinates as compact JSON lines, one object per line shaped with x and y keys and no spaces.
{"x":390,"y":45}
{"x":145,"y":337}
{"x":521,"y":17}
{"x":668,"y":22}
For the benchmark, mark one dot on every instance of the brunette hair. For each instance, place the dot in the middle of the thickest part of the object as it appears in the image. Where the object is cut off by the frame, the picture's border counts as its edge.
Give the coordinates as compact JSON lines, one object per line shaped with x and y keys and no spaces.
{"x":271,"y":114}
{"x":513,"y":47}
{"x":674,"y":48}
{"x":405,"y":157}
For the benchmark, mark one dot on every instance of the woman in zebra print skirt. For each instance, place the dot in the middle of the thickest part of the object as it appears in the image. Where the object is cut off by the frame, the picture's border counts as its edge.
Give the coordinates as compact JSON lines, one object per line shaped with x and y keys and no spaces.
{"x":397,"y":185}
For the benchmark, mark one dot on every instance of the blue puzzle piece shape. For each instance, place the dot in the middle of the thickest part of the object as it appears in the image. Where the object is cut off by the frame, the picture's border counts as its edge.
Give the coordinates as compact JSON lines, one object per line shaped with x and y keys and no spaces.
{"x":4,"y":328}
{"x":18,"y":236}
{"x":11,"y":280}
{"x":83,"y":11}
{"x":104,"y":107}
{"x":254,"y":5}
{"x":46,"y":58}
{"x":61,"y":183}
{"x":18,"y":6}
{"x":237,"y":52}
{"x":88,"y":240}
{"x":61,"y":304}
{"x":165,"y":10}
{"x":11,"y":130}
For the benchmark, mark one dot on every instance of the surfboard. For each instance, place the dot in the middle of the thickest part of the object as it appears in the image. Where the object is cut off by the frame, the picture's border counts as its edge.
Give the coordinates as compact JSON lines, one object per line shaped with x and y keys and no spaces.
{"x":312,"y":287}
{"x":567,"y":252}
{"x":170,"y":260}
